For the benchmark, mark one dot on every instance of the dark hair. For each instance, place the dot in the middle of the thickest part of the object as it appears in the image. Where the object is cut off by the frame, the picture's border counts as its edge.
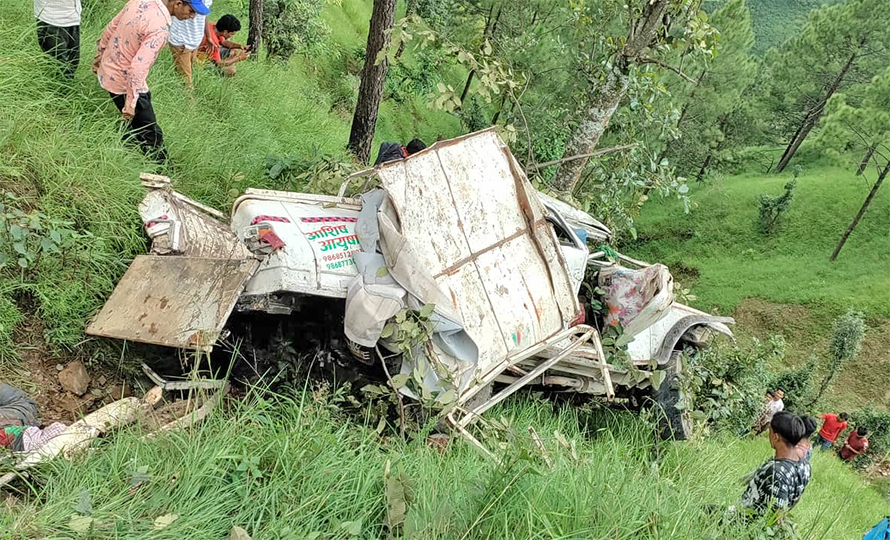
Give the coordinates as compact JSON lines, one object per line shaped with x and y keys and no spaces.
{"x":416,"y":145}
{"x":792,"y":428}
{"x":844,"y":416}
{"x":228,"y":23}
{"x":770,"y":393}
{"x":862,"y":431}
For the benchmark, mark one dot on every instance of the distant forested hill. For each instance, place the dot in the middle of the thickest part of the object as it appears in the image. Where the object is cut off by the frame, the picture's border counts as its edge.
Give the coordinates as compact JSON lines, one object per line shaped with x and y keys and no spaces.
{"x":775,"y":20}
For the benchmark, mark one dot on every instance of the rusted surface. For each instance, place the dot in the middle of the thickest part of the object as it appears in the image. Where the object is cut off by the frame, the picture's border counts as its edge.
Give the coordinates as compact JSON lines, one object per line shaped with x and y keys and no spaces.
{"x":173,"y":301}
{"x":199,"y":234}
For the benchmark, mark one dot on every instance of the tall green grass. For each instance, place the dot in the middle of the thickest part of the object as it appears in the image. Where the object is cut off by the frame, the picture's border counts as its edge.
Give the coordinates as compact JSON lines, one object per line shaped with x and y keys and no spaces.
{"x":717,"y":249}
{"x":294,"y":467}
{"x":60,"y":146}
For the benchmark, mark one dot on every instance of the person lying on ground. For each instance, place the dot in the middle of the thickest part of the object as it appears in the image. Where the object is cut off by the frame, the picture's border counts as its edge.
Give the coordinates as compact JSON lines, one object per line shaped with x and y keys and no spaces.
{"x":218,"y":46}
{"x":390,"y":151}
{"x":856,"y":445}
{"x":779,"y":483}
{"x":832,"y":426}
{"x":19,"y":426}
{"x":58,"y":32}
{"x":185,"y":38}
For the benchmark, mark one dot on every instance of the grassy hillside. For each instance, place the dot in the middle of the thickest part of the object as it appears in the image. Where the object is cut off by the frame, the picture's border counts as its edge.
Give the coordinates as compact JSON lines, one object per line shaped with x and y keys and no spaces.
{"x":785,"y":283}
{"x":60,"y":148}
{"x":296,"y":468}
{"x":293,"y":469}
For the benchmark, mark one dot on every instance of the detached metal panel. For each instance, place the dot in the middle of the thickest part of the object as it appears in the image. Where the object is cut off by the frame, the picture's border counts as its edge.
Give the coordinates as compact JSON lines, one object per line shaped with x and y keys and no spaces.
{"x":179,"y":302}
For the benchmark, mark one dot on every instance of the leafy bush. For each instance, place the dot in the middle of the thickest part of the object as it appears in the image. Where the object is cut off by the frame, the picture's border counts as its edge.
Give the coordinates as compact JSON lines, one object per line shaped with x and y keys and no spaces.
{"x":798,"y":386}
{"x":728,"y":382}
{"x":316,"y":173}
{"x":27,"y":237}
{"x":878,"y":424}
{"x":772,"y":209}
{"x":846,"y":340}
{"x":288,"y":24}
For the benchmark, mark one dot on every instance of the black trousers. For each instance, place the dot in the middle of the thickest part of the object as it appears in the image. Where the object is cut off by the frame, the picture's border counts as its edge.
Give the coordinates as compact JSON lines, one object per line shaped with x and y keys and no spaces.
{"x":144,"y":129}
{"x":62,"y":43}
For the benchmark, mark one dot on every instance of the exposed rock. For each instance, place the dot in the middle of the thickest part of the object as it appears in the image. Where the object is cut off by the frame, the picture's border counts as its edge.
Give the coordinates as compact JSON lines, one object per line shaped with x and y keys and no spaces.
{"x":74,"y":378}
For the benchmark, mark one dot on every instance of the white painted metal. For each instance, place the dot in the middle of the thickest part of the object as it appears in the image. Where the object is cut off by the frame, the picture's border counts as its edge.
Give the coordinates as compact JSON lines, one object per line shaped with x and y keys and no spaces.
{"x":482,"y":233}
{"x":319,"y":239}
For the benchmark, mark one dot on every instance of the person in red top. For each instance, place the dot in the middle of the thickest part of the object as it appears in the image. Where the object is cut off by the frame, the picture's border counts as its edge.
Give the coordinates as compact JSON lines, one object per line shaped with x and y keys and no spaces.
{"x":856,"y":445}
{"x":218,"y":46}
{"x":832,"y":426}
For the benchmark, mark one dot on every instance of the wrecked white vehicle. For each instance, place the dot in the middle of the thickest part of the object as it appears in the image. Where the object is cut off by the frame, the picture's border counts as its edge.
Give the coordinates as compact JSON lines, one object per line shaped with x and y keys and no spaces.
{"x":457,"y":227}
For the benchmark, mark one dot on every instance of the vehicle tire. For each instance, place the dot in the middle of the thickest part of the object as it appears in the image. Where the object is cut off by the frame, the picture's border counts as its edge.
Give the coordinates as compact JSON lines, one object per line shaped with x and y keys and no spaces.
{"x":673,"y":423}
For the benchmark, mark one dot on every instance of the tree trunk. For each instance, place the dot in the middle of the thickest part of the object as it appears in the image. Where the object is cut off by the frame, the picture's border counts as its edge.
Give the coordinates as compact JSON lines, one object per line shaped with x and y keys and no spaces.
{"x":463,"y":95}
{"x":497,"y":114}
{"x":871,"y":195}
{"x":364,"y":121}
{"x":707,"y":163}
{"x":869,"y":152}
{"x":607,"y":94}
{"x":704,"y":167}
{"x":255,"y":27}
{"x":813,"y":116}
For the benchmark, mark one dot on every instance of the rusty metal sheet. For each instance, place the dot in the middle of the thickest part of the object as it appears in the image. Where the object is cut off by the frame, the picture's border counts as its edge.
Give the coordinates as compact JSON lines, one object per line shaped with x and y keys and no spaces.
{"x":179,"y":302}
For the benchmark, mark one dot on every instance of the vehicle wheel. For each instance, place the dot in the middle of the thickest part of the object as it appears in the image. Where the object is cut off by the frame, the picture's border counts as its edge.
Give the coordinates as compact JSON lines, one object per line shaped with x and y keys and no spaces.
{"x":673,"y":423}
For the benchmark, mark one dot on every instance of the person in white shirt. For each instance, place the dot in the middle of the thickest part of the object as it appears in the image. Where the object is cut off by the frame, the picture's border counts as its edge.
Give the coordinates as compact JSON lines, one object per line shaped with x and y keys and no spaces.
{"x":58,"y":31}
{"x":185,"y":37}
{"x":773,"y":405}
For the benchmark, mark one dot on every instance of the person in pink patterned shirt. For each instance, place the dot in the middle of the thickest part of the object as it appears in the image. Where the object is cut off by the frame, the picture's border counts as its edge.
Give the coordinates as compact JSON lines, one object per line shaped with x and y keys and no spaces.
{"x":127,"y":49}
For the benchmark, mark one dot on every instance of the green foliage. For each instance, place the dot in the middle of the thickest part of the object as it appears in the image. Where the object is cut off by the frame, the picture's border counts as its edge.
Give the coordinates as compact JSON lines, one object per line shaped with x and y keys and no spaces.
{"x":877,"y":421}
{"x":775,"y":20}
{"x":717,"y":90}
{"x":728,"y":383}
{"x":318,"y":172}
{"x":27,"y":237}
{"x":289,"y":25}
{"x":798,"y":384}
{"x":846,"y":341}
{"x":718,"y":239}
{"x":310,"y":471}
{"x":772,"y":210}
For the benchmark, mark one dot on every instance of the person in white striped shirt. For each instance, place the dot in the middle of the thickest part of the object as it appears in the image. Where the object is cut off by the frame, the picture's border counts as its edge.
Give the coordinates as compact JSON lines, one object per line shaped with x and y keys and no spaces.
{"x":58,"y":32}
{"x":185,"y":37}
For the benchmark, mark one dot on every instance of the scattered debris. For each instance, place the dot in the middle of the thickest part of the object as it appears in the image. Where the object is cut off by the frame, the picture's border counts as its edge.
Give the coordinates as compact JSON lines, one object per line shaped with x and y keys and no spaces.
{"x":74,"y":378}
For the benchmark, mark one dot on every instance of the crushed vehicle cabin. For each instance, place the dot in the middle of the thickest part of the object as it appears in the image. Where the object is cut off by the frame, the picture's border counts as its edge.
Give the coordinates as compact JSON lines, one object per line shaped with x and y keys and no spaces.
{"x":456,"y":232}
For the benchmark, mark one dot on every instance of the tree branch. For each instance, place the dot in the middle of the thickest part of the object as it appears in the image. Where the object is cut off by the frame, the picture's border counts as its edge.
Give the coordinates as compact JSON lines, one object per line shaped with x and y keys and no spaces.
{"x":582,"y":156}
{"x":659,"y":63}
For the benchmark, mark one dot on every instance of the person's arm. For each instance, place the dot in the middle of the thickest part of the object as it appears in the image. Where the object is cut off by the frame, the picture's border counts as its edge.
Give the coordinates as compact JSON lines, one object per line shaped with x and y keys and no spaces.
{"x":143,"y":60}
{"x":102,"y":43}
{"x":231,"y":44}
{"x":233,"y":59}
{"x":208,"y":36}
